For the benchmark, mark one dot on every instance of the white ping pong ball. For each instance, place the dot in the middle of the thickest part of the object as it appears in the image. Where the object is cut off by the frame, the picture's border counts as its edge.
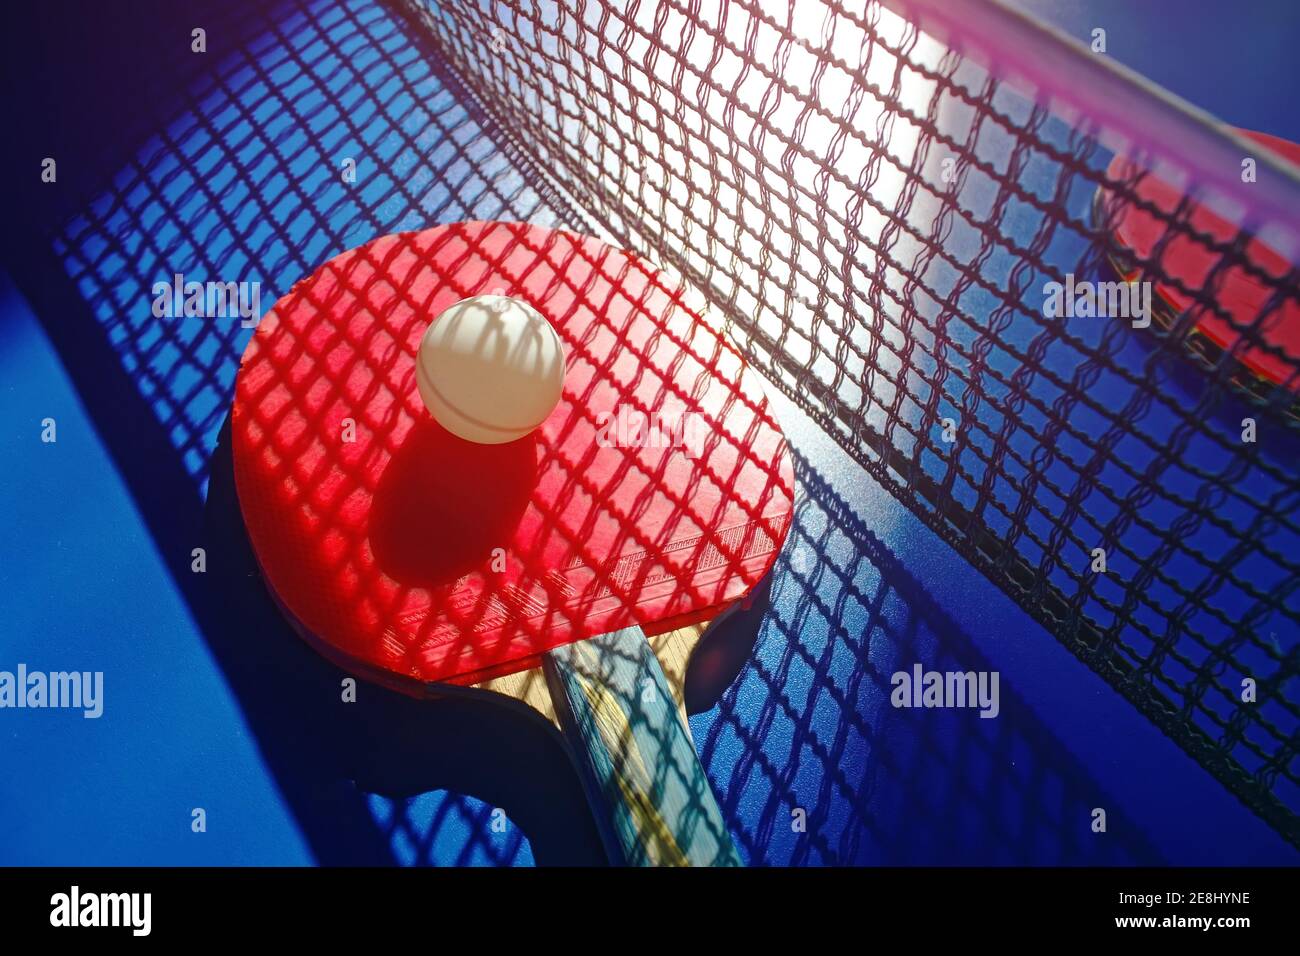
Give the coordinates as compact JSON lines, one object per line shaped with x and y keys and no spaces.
{"x":490,"y":369}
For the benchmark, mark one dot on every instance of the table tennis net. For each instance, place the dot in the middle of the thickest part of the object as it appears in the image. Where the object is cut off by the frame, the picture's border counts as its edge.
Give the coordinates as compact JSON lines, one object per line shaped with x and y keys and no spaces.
{"x":879,"y":217}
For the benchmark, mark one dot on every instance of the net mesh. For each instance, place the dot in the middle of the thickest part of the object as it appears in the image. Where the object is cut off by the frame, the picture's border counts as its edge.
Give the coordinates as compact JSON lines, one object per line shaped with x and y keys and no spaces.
{"x":881,"y":219}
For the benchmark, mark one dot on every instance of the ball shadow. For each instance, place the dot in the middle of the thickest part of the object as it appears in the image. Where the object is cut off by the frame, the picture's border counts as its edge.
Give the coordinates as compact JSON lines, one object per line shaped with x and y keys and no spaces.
{"x":443,"y":503}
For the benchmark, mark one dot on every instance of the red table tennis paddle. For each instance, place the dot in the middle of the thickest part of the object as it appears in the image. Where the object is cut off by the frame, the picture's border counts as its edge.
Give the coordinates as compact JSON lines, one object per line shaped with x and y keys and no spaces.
{"x":1183,"y":258}
{"x":417,"y":559}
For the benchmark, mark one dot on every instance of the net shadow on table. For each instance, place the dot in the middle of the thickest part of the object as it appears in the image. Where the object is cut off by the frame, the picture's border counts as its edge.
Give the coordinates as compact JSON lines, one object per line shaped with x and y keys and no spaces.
{"x":809,"y":726}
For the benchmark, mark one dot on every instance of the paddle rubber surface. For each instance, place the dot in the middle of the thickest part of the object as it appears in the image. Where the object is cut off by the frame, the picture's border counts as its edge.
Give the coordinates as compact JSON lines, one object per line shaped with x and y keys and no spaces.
{"x":658,"y":489}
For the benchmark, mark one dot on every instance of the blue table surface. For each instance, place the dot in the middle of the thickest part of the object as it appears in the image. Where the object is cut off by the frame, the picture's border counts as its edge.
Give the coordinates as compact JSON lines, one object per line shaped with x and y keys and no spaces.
{"x":211,"y":704}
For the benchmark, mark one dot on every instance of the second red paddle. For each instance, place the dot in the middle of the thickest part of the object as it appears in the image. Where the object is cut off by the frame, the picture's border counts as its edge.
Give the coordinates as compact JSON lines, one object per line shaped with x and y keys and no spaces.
{"x":1189,"y":264}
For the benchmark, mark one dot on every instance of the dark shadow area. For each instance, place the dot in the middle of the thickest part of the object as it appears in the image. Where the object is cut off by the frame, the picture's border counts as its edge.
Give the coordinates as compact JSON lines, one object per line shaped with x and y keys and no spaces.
{"x":88,"y":66}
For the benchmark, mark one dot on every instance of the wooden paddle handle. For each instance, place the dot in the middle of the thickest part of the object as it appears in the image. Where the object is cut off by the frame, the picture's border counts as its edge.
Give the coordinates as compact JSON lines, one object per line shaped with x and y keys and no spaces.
{"x":637,"y":756}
